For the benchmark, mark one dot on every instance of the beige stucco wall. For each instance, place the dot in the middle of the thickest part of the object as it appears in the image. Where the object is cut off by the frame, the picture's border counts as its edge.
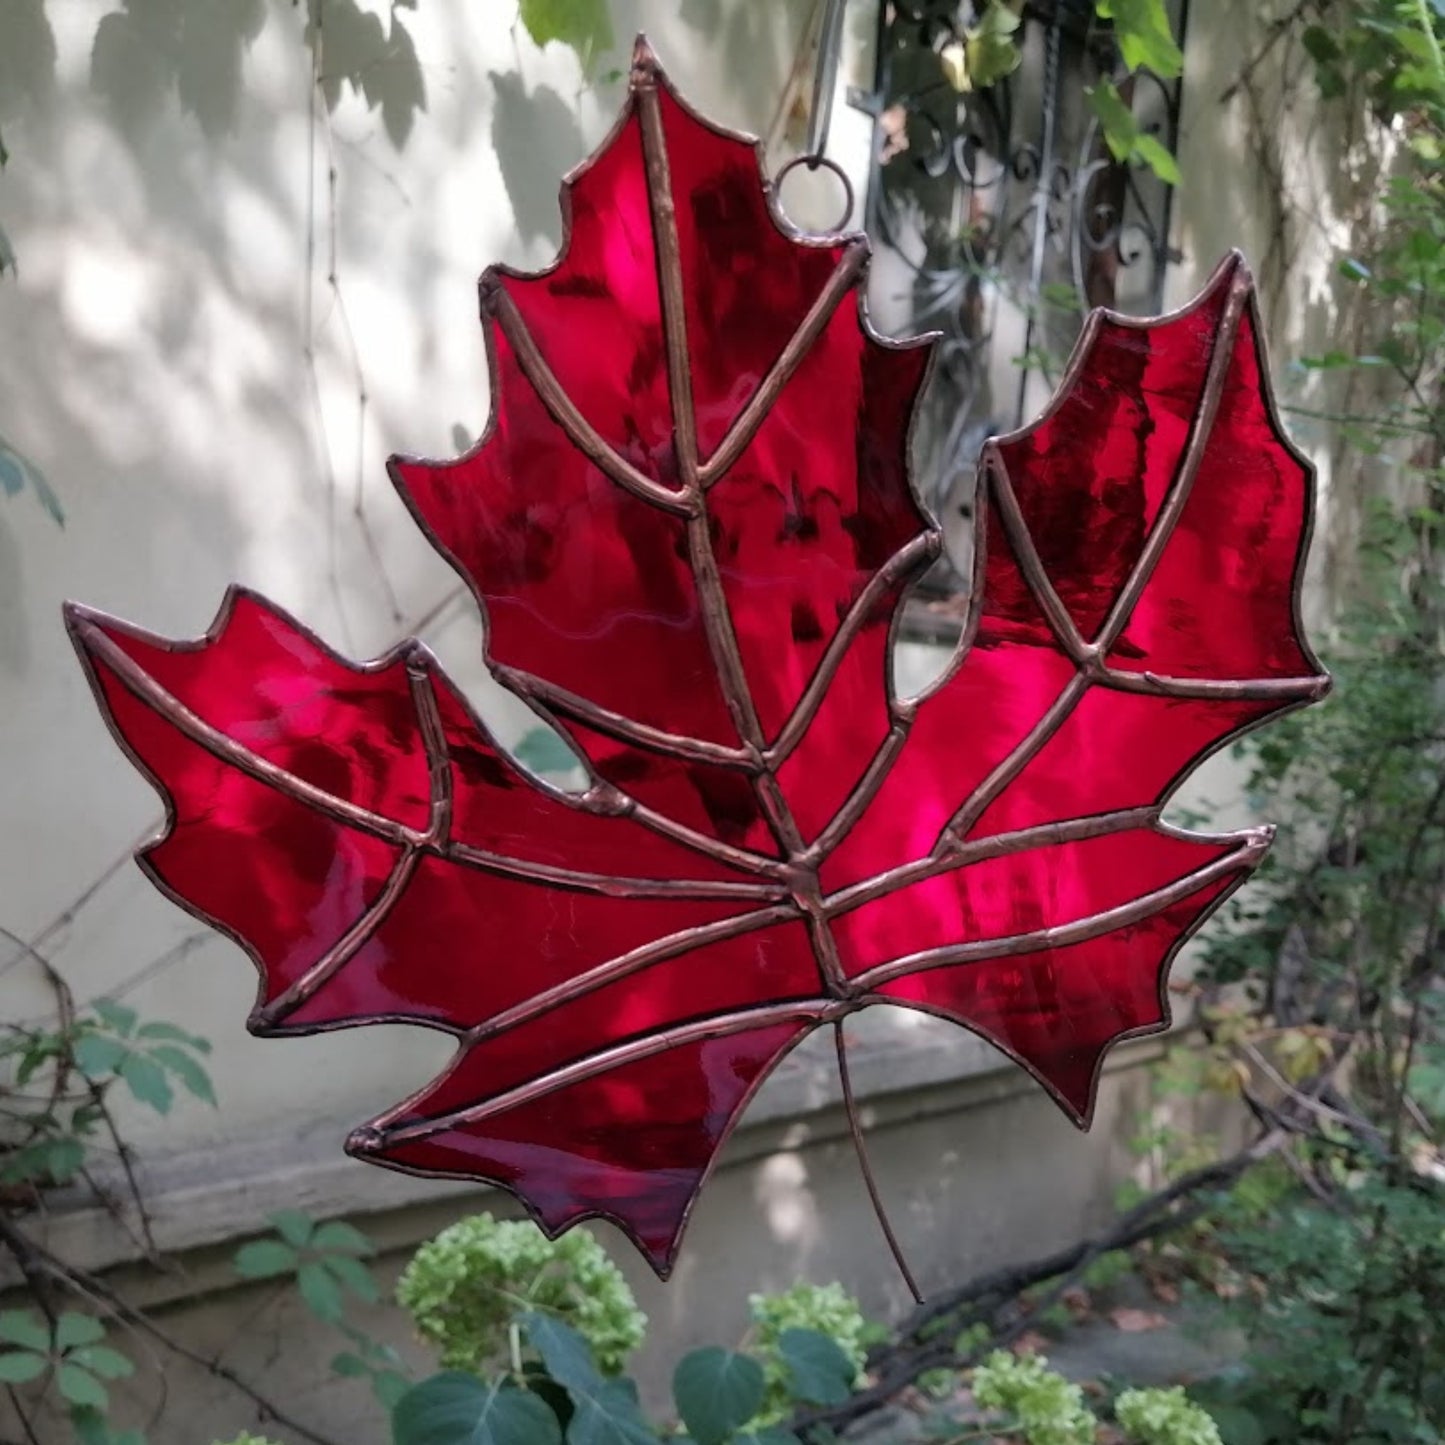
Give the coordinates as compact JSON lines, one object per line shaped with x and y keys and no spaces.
{"x":154,"y":366}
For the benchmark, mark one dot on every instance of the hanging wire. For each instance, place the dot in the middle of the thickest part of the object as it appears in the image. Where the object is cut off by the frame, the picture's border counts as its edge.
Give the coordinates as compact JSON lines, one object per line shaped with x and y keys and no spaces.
{"x":820,"y":112}
{"x":825,"y":81}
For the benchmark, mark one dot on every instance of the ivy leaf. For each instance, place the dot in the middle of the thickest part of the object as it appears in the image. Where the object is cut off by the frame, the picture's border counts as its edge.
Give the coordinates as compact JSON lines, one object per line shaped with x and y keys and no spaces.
{"x":458,"y":1409}
{"x":338,"y":1237}
{"x":295,"y":1226}
{"x":353,"y":1274}
{"x":320,"y":1291}
{"x":73,"y":1329}
{"x":101,"y":1360}
{"x":1157,"y":156}
{"x":170,"y":1033}
{"x":115,"y":1016}
{"x":147,"y":1081}
{"x":99,"y":1055}
{"x":80,"y":1387}
{"x":1141,"y":28}
{"x":19,"y":1367}
{"x":1116,"y":120}
{"x":192,"y":1076}
{"x":265,"y":1259}
{"x":582,"y":25}
{"x":24,"y":1327}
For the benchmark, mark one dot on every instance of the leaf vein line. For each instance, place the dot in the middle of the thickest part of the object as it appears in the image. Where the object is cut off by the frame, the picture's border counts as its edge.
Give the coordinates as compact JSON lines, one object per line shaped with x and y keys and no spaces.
{"x":564,"y":411}
{"x":227,"y":750}
{"x":1080,"y":931}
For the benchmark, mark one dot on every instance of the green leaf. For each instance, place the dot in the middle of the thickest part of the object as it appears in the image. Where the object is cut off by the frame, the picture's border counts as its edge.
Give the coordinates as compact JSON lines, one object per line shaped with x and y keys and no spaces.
{"x":264,"y":1259}
{"x":18,"y":471}
{"x":604,"y":1412}
{"x":338,"y":1237}
{"x":607,"y":1414}
{"x":73,"y":1329}
{"x":192,"y":1076}
{"x":716,"y":1392}
{"x":101,"y":1360}
{"x":1156,"y":155}
{"x":353,"y":1274}
{"x":17,"y":1367}
{"x":542,"y":751}
{"x":92,"y":1428}
{"x":1116,"y":120}
{"x":818,"y":1370}
{"x":295,"y":1226}
{"x":170,"y":1033}
{"x":349,"y":1366}
{"x":1320,"y":45}
{"x":773,"y":1435}
{"x":320,"y":1291}
{"x":1141,"y":28}
{"x":99,"y":1055}
{"x":80,"y":1387}
{"x":389,"y":1387}
{"x":583,"y":25}
{"x":567,"y":1356}
{"x":24,"y":1327}
{"x":115,"y":1016}
{"x":147,"y":1081}
{"x":458,"y":1409}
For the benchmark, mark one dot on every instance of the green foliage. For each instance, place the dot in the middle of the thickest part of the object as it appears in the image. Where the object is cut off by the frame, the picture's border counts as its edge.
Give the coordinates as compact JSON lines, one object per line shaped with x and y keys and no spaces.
{"x":149,"y":1058}
{"x":582,"y":25}
{"x":326,"y":1263}
{"x":73,"y":1355}
{"x":717,"y":1392}
{"x":17,"y":472}
{"x":459,"y":1409}
{"x":826,"y":1310}
{"x":542,"y":750}
{"x":1143,"y":35}
{"x":1347,"y":1324}
{"x":1164,"y":1417}
{"x":987,"y":52}
{"x":602,"y":1410}
{"x":464,"y":1287}
{"x":58,"y":1100}
{"x":247,"y":1440}
{"x":1035,"y":1401}
{"x":1126,"y":138}
{"x":325,"y":1260}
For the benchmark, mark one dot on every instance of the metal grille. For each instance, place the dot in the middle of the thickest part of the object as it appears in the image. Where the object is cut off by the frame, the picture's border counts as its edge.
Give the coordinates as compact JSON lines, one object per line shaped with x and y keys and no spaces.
{"x":999,"y":218}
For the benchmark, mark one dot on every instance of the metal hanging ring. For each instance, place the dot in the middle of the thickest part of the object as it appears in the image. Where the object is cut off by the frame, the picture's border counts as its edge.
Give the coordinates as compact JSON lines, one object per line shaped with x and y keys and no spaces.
{"x":815,"y":163}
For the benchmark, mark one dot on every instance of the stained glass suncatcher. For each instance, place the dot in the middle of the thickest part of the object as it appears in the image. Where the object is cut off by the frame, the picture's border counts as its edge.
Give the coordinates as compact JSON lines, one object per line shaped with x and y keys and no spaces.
{"x":690,"y":526}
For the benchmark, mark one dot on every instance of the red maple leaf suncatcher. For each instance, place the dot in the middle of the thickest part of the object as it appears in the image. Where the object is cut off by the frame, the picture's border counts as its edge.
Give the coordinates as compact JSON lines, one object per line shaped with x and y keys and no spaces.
{"x":690,"y":527}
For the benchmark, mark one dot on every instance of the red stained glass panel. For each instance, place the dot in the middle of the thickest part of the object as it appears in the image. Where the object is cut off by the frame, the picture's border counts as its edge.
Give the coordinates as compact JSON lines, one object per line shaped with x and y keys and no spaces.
{"x":690,"y":525}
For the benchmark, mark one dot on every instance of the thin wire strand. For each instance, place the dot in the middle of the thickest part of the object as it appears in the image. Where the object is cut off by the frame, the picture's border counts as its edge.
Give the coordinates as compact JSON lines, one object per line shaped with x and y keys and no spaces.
{"x":825,"y":81}
{"x":850,"y":1105}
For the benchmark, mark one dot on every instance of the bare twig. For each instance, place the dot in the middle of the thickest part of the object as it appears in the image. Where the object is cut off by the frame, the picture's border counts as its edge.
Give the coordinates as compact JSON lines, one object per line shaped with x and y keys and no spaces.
{"x":44,"y":1271}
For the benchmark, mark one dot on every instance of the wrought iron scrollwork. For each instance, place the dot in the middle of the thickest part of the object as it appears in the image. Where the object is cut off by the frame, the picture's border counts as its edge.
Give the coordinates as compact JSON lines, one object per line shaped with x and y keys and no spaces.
{"x":1000,"y":217}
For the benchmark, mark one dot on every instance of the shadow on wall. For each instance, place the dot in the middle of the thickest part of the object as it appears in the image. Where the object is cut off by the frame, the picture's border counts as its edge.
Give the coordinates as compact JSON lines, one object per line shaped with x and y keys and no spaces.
{"x":1301,"y":194}
{"x":537,"y":140}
